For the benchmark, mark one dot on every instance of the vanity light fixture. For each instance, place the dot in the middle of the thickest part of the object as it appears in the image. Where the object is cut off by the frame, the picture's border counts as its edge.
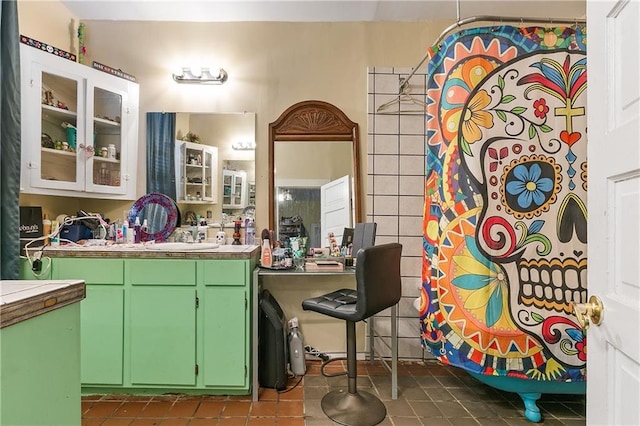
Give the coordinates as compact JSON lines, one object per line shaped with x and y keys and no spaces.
{"x":205,"y":76}
{"x":244,"y":145}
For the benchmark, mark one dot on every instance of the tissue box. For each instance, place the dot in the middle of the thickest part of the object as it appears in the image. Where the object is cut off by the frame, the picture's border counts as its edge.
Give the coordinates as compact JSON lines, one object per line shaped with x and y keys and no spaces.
{"x":75,"y":233}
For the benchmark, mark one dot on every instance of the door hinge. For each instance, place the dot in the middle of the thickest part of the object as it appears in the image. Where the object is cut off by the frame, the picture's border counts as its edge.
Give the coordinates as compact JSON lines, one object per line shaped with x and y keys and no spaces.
{"x":197,"y":302}
{"x":197,"y":369}
{"x":245,"y":371}
{"x":246,"y":303}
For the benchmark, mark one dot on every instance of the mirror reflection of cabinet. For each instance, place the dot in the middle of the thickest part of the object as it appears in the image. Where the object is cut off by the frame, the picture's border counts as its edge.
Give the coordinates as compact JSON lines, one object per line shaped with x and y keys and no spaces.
{"x":234,"y":189}
{"x":82,"y":128}
{"x":198,"y":173}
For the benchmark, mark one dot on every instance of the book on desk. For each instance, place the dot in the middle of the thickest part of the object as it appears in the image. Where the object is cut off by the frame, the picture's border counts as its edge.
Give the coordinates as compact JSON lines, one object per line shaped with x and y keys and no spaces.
{"x":324,"y":265}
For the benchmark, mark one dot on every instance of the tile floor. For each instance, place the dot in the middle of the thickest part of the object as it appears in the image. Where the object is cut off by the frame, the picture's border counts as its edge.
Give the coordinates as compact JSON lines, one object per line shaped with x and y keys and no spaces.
{"x":428,"y":394}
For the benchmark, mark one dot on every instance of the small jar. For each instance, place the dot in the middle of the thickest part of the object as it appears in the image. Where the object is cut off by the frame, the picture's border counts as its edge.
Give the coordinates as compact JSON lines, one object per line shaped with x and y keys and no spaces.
{"x":104,"y":153}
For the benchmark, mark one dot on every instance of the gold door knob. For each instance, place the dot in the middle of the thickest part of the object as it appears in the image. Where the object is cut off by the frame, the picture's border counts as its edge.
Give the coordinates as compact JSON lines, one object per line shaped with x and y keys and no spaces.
{"x":590,"y":312}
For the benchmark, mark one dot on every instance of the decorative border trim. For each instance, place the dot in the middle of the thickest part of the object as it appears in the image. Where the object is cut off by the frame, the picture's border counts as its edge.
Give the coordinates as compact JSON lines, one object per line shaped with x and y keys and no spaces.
{"x":47,"y":48}
{"x":112,"y":71}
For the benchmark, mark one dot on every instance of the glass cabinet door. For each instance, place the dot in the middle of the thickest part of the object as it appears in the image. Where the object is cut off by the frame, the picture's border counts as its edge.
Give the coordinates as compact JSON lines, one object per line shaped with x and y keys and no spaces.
{"x":208,"y":175}
{"x":105,"y":139}
{"x":60,"y":101}
{"x":238,"y":185}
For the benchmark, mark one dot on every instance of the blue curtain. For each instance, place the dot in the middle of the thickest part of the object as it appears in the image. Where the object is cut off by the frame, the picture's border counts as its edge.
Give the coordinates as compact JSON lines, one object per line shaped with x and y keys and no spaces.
{"x":161,"y":171}
{"x":9,"y":141}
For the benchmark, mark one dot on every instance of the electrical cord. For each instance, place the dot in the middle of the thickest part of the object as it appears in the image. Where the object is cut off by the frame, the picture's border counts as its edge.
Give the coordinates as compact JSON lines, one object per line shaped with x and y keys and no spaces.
{"x":329,"y":361}
{"x":35,"y":260}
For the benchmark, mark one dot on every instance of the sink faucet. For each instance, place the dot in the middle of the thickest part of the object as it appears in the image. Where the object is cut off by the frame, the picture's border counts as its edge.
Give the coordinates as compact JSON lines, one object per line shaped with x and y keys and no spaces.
{"x":184,"y":237}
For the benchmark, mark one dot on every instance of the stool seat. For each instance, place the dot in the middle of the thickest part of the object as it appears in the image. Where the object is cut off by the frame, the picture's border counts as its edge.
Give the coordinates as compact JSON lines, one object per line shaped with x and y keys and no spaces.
{"x":338,"y":304}
{"x":378,"y":286}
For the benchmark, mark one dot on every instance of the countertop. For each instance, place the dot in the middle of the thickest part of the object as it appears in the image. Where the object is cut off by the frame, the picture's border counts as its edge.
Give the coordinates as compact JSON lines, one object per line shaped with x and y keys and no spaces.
{"x":24,"y":299}
{"x":157,"y":251}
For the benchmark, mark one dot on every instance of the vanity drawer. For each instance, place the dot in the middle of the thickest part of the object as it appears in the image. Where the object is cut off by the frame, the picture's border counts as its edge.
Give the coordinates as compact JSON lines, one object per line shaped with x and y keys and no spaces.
{"x":92,"y":271}
{"x":161,"y":272}
{"x":224,"y":272}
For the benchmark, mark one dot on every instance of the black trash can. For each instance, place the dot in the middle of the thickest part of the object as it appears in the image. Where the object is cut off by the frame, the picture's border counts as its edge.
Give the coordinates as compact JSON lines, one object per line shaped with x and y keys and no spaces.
{"x":272,"y":343}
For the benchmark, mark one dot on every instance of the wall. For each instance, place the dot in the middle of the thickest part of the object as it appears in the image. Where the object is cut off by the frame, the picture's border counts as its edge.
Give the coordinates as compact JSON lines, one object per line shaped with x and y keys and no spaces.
{"x":271,"y":66}
{"x":396,"y":139}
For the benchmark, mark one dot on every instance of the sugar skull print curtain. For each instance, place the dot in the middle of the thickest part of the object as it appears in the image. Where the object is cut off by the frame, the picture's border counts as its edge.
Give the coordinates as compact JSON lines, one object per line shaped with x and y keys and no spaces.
{"x":505,"y":206}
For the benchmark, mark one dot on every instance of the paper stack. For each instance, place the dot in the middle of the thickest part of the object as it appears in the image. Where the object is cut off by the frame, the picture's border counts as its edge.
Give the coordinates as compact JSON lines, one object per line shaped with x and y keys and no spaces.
{"x":324,"y":265}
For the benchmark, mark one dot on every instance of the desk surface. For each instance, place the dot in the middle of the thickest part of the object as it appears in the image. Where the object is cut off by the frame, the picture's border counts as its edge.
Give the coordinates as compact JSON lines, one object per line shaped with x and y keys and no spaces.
{"x":295,"y":271}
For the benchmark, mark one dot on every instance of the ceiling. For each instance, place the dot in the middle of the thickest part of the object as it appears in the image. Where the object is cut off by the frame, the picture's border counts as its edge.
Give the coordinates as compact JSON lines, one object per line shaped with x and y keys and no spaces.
{"x":317,"y":10}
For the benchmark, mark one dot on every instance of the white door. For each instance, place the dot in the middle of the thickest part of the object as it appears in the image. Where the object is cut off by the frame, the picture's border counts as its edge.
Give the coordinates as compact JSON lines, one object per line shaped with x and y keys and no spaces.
{"x":335,"y":209}
{"x":613,"y":357}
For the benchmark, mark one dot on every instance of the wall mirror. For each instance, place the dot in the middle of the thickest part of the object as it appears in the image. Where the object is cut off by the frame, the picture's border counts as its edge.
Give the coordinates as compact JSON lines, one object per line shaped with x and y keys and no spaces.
{"x":313,"y":173}
{"x":201,"y":177}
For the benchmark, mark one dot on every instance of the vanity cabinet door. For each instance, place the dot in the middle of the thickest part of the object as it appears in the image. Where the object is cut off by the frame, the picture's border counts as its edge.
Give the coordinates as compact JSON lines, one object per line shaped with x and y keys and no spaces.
{"x":226,"y":324}
{"x":162,"y":321}
{"x":162,"y":325}
{"x":101,"y":317}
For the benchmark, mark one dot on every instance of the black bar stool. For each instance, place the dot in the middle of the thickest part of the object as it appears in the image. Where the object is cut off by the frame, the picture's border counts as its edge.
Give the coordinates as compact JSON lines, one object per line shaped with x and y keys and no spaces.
{"x":378,"y":287}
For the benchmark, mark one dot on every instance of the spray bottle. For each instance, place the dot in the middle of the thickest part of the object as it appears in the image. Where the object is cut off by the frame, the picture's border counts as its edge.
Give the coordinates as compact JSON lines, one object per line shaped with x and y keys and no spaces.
{"x":296,"y":349}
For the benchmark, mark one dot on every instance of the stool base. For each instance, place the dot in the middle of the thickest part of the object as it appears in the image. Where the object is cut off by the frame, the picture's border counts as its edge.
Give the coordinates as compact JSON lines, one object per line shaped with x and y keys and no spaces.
{"x":353,"y":409}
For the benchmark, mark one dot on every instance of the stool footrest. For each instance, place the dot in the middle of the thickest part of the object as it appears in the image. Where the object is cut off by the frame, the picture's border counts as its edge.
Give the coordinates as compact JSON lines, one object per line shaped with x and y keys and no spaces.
{"x":353,"y":409}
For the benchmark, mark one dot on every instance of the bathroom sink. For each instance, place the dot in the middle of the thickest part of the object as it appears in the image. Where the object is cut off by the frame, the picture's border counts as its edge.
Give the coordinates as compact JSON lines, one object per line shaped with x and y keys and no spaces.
{"x":181,"y":246}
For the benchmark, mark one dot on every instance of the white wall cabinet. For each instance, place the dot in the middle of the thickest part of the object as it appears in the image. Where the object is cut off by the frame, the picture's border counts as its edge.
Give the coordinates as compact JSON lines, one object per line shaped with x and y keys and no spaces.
{"x":197,"y":172}
{"x":234,"y":189}
{"x":97,"y":159}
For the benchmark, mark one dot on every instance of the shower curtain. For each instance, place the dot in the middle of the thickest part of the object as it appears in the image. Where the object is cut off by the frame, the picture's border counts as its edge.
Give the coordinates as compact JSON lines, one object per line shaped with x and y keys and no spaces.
{"x":504,"y":230}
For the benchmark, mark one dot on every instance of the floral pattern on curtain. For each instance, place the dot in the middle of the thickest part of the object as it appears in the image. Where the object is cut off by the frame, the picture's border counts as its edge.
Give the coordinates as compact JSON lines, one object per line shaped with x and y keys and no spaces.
{"x":504,"y":230}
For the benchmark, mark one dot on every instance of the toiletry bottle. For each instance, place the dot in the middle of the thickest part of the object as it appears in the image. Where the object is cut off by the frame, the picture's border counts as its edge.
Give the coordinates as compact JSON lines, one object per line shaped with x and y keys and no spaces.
{"x":119,"y":237}
{"x":144,"y":230}
{"x":265,"y":257}
{"x":136,"y":229}
{"x":296,"y":349}
{"x":46,"y":228}
{"x":55,"y":239}
{"x":125,"y":231}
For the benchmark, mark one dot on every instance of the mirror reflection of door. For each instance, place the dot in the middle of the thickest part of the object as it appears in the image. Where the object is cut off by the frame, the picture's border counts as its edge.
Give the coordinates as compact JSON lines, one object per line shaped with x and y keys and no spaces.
{"x":301,"y":169}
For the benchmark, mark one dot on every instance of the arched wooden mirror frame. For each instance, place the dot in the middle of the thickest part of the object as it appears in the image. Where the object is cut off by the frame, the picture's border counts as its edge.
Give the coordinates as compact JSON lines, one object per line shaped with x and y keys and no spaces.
{"x":314,"y":121}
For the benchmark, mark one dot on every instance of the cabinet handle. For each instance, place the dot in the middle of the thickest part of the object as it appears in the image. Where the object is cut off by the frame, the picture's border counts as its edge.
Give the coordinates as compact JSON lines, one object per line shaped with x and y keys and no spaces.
{"x":88,"y":150}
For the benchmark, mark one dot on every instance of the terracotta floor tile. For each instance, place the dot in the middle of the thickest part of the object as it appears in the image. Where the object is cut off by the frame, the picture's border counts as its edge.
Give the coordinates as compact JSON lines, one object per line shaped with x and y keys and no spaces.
{"x":175,"y":422}
{"x":183,"y":408}
{"x":155,"y":409}
{"x":290,"y":421}
{"x":96,"y":421}
{"x":85,"y":405}
{"x":295,"y":394}
{"x":267,"y":394}
{"x":169,"y":398}
{"x":129,"y":409}
{"x":261,"y":421}
{"x":236,"y":409}
{"x":146,"y":422}
{"x":290,"y":409}
{"x":232,"y":421}
{"x":91,"y":397}
{"x":117,"y":422}
{"x":263,"y":409}
{"x":210,"y":409}
{"x":102,"y":408}
{"x":203,"y":422}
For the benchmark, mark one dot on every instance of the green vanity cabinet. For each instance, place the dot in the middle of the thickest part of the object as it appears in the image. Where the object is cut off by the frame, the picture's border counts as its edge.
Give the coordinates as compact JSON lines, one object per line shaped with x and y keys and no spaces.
{"x":162,"y":321}
{"x":225,"y":323}
{"x":158,"y":322}
{"x":101,"y":316}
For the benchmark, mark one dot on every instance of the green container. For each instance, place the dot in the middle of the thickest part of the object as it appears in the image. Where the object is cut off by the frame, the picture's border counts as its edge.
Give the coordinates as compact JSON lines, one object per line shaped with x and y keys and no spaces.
{"x":71,"y":137}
